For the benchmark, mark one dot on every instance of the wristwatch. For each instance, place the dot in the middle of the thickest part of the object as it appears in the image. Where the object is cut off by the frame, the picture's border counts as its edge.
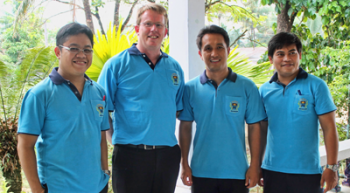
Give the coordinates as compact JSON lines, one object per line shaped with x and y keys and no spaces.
{"x":334,"y":168}
{"x":107,"y":172}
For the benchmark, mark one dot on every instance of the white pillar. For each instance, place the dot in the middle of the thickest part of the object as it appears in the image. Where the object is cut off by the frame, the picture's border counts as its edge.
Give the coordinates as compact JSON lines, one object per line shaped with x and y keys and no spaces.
{"x":186,"y":18}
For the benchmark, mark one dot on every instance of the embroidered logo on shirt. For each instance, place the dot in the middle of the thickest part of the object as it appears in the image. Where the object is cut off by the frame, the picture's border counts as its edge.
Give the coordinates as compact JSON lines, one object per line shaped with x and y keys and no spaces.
{"x":100,"y":109}
{"x":234,"y":106}
{"x":303,"y":104}
{"x":175,"y":79}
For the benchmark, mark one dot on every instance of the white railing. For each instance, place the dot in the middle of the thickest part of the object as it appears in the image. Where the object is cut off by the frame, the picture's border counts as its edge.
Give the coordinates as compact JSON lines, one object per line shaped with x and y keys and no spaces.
{"x":344,"y":152}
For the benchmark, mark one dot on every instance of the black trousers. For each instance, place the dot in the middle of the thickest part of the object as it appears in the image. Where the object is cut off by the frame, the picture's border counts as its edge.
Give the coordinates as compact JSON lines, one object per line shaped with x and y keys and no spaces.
{"x":145,"y":171}
{"x":214,"y":185}
{"x":277,"y":182}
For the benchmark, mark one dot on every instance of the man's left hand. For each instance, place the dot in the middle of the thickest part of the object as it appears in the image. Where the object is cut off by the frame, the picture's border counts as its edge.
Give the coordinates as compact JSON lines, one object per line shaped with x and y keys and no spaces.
{"x":330,"y":178}
{"x":252,"y":177}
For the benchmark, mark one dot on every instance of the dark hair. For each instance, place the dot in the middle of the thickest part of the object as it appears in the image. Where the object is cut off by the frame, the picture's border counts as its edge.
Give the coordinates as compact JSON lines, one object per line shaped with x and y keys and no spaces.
{"x":282,"y":39}
{"x":73,"y":29}
{"x":212,"y":29}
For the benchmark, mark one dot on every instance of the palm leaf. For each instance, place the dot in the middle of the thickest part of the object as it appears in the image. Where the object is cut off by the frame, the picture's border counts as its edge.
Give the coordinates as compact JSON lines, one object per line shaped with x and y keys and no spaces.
{"x":36,"y":65}
{"x":106,"y":46}
{"x":240,"y":64}
{"x":21,"y":13}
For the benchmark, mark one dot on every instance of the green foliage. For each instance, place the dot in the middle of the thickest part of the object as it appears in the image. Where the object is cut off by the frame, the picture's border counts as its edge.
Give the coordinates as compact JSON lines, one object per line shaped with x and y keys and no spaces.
{"x":214,"y":9}
{"x":4,"y":187}
{"x":240,"y":64}
{"x":107,"y":46}
{"x":16,"y":80}
{"x":16,"y":38}
{"x":111,"y":44}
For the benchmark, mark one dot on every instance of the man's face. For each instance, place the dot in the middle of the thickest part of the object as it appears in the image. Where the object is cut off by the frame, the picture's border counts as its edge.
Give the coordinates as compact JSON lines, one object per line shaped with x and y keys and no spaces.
{"x":214,"y":52}
{"x":74,"y":64}
{"x":286,"y":61}
{"x":151,"y":31}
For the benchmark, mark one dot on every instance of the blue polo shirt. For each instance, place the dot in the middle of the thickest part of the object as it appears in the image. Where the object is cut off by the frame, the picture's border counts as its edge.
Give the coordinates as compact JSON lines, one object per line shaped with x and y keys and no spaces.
{"x":293,"y":134}
{"x":68,"y":147}
{"x":220,"y":113}
{"x":144,"y":99}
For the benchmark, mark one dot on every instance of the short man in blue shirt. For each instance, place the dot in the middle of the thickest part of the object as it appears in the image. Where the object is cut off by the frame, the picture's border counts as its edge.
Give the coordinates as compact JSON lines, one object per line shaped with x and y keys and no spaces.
{"x":295,"y":103}
{"x":65,"y":116}
{"x":144,"y":89}
{"x":220,"y":102}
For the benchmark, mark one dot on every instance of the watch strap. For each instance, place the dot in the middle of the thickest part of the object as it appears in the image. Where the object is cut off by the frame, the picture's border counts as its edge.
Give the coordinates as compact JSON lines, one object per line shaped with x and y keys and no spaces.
{"x":334,"y":168}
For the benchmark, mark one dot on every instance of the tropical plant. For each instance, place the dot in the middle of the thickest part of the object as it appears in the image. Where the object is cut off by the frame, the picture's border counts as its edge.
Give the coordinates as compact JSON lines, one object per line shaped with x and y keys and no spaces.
{"x":18,"y":33}
{"x":14,"y":82}
{"x":111,"y":44}
{"x":107,"y":46}
{"x":3,"y":186}
{"x":240,"y":64}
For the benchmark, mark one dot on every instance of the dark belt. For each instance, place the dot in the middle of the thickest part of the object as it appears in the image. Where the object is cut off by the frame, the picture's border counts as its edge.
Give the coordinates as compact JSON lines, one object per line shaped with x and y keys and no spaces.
{"x":145,"y":147}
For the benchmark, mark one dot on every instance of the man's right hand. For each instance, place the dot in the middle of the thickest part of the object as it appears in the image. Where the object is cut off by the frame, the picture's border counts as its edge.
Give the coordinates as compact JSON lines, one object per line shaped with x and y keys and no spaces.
{"x":261,"y":179}
{"x":40,"y":190}
{"x":186,"y":176}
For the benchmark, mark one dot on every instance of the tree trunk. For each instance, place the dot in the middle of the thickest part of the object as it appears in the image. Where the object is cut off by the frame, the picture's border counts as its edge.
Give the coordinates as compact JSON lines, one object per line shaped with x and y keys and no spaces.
{"x":97,"y":15}
{"x":14,"y":179}
{"x":129,"y":16}
{"x":284,"y":21}
{"x":88,"y":15}
{"x":116,"y":15}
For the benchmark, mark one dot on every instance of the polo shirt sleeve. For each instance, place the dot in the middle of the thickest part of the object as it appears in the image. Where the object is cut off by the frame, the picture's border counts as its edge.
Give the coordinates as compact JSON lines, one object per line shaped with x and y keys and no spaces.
{"x":255,"y":110}
{"x":32,"y":115}
{"x":187,"y":112}
{"x":262,"y":99}
{"x":180,"y":91}
{"x":108,"y":80}
{"x":105,"y":122}
{"x":323,"y":99}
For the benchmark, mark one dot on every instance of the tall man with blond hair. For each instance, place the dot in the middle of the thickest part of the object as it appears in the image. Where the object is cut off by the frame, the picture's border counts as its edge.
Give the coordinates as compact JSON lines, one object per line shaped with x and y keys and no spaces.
{"x":144,"y":90}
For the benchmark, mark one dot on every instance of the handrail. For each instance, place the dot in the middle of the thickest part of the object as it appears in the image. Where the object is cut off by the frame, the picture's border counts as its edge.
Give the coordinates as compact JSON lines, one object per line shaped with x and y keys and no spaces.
{"x":344,"y":152}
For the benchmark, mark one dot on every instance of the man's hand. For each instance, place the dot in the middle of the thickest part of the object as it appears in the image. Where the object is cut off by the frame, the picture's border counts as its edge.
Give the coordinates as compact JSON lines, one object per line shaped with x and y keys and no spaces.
{"x":261,"y":178}
{"x":330,"y":178}
{"x":252,"y":177}
{"x":186,"y":176}
{"x":40,"y":190}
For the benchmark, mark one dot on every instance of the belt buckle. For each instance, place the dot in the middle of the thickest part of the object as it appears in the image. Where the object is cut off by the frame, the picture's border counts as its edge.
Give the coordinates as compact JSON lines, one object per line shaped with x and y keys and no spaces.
{"x":145,"y":147}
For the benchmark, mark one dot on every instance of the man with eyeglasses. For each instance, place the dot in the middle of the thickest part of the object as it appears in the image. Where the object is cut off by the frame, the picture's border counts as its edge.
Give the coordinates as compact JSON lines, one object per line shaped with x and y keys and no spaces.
{"x":65,"y":116}
{"x":144,"y":89}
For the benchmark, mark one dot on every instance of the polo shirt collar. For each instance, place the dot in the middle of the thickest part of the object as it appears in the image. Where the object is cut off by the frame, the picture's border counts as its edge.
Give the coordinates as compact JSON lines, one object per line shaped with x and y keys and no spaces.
{"x":134,"y":51}
{"x":232,"y":76}
{"x":57,"y":79}
{"x":302,"y":74}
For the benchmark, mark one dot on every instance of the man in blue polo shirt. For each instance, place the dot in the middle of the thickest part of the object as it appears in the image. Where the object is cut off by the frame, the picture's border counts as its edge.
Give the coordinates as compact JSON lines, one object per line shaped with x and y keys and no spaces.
{"x":65,"y":116}
{"x":295,"y":103}
{"x":220,"y":102}
{"x":144,"y":89}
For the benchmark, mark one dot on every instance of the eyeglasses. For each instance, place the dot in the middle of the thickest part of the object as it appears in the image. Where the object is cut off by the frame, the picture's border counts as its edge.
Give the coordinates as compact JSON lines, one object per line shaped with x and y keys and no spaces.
{"x":75,"y":50}
{"x":150,"y":24}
